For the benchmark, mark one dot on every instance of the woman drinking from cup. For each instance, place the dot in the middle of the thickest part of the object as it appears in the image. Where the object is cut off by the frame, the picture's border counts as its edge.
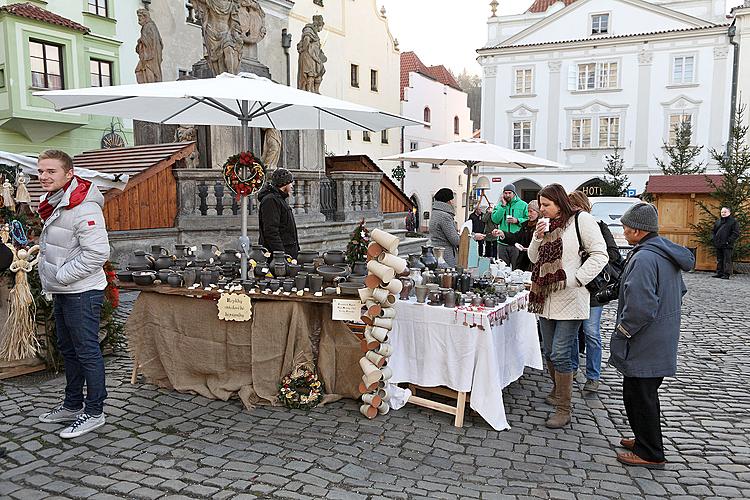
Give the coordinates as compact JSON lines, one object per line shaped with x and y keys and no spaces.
{"x":558,"y":292}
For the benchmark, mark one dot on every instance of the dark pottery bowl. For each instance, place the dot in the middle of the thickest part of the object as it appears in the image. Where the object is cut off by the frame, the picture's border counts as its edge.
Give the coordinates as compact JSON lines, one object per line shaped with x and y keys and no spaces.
{"x":306,"y":257}
{"x":330,"y":273}
{"x":144,"y":278}
{"x":125,"y":276}
{"x":349,"y":288}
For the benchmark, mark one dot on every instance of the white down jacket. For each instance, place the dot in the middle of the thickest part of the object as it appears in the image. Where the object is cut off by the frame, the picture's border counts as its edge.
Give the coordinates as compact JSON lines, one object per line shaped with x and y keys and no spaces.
{"x":74,"y":246}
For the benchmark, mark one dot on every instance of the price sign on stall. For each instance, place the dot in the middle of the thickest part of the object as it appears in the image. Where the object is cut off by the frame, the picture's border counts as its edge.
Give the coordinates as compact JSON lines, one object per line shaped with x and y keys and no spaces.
{"x":346,"y":310}
{"x":235,"y":307}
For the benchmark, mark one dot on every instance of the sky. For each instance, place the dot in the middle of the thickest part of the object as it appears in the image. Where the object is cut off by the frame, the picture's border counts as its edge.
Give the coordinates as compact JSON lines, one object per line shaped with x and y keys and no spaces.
{"x":449,"y":31}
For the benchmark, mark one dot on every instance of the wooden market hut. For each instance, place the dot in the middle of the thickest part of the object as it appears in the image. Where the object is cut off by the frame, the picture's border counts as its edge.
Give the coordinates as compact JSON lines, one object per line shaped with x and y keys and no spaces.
{"x":677,"y":199}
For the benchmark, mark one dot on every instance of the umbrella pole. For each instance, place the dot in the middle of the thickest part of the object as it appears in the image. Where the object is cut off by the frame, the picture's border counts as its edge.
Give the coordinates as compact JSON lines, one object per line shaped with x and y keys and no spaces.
{"x":244,"y":240}
{"x":469,"y":171}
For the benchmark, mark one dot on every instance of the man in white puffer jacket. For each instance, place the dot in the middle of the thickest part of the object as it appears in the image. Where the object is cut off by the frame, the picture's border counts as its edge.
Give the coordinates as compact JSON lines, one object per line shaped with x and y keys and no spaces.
{"x":73,"y":248}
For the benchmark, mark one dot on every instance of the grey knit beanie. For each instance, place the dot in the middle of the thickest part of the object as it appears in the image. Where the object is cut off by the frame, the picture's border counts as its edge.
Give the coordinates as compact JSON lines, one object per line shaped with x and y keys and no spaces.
{"x":642,"y":216}
{"x":510,"y":187}
{"x":281,"y":177}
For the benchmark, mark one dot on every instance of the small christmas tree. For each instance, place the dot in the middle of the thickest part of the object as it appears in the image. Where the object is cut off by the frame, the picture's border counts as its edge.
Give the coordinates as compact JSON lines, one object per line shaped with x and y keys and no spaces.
{"x":356,"y":250}
{"x":615,"y":182}
{"x":734,"y":189}
{"x":682,"y":156}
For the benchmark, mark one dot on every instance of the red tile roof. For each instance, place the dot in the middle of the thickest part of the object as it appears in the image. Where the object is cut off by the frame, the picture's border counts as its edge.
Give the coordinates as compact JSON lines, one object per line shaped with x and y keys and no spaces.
{"x":543,"y":5}
{"x":30,"y":11}
{"x":599,"y":38}
{"x":410,"y":62}
{"x":683,"y":184}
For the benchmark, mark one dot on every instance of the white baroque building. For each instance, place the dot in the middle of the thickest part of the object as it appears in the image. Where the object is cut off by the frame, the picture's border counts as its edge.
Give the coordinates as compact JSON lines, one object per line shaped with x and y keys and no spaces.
{"x":570,"y":80}
{"x":362,"y":67}
{"x":432,"y":95}
{"x":742,"y":38}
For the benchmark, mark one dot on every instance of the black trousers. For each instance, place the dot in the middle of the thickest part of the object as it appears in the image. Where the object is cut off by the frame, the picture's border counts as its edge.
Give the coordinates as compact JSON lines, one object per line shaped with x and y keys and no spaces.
{"x":724,"y":261}
{"x":641,"y":399}
{"x":490,"y":249}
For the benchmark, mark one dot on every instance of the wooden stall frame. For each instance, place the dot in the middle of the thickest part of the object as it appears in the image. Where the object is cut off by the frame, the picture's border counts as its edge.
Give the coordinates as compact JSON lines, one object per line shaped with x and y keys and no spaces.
{"x":458,"y":411}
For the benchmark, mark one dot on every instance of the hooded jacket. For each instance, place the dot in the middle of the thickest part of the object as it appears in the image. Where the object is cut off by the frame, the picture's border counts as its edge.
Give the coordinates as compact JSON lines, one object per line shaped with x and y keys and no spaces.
{"x":73,"y":245}
{"x":726,"y":232}
{"x":443,"y":232}
{"x":644,"y":343}
{"x":278,"y":230}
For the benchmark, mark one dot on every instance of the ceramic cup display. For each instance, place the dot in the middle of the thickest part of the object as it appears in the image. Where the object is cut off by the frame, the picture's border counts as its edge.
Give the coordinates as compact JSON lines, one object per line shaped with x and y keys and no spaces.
{"x":287,"y":285}
{"x":300,"y":281}
{"x":316,"y":282}
{"x":174,"y":280}
{"x":274,"y":284}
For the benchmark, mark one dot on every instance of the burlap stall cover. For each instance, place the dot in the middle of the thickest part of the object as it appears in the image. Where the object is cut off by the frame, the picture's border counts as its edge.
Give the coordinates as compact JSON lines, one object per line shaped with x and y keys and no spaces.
{"x":180,"y":344}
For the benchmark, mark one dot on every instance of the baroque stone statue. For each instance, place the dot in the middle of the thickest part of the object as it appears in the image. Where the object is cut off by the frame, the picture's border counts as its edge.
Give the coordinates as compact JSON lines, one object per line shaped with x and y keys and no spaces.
{"x":271,"y":148}
{"x":188,"y":133}
{"x":149,"y":48}
{"x":311,"y":65}
{"x":228,"y":26}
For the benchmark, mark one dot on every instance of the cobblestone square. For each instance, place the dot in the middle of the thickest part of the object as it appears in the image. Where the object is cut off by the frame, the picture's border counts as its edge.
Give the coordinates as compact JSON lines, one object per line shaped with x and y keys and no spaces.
{"x":162,"y":444}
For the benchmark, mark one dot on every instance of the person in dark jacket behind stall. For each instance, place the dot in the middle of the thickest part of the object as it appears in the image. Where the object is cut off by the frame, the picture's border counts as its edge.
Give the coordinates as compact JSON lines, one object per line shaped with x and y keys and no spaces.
{"x":726,"y":233}
{"x":644,"y":344}
{"x":523,"y":237}
{"x":278,"y":231}
{"x":477,"y":225}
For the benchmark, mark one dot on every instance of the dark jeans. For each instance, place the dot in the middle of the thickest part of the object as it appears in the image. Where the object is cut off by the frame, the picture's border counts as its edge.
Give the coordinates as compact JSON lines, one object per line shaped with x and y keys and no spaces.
{"x":641,"y":399}
{"x":77,"y":317}
{"x":724,"y":261}
{"x":490,"y":249}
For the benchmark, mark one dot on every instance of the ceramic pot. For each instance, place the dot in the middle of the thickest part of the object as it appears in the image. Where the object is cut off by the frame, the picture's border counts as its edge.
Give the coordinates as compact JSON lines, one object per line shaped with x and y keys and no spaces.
{"x":316,"y":282}
{"x":287,"y":285}
{"x":162,"y":274}
{"x":331,"y":273}
{"x":306,"y":257}
{"x":309,"y":267}
{"x":181,"y":251}
{"x":205,"y":277}
{"x":140,"y":261}
{"x":428,"y":258}
{"x":489,"y":301}
{"x":181,"y":262}
{"x":415,"y":263}
{"x":279,"y":269}
{"x":125,"y":276}
{"x":476,"y":300}
{"x":274,"y":284}
{"x":229,"y":256}
{"x":174,"y":280}
{"x":263,"y":284}
{"x":300,"y":281}
{"x":446,"y":280}
{"x":415,"y":275}
{"x":436,"y":297}
{"x":215,"y":274}
{"x":359,"y":268}
{"x":158,"y":250}
{"x":292,"y":270}
{"x":258,"y":254}
{"x":408,"y":286}
{"x":439,"y":255}
{"x":449,"y":298}
{"x":144,"y":278}
{"x":334,"y":257}
{"x":260,"y":270}
{"x":207,"y":252}
{"x":248,"y":284}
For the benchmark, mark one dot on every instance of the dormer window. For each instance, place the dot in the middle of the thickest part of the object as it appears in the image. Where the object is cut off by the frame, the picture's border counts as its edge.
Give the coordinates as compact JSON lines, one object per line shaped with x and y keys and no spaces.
{"x":600,"y":24}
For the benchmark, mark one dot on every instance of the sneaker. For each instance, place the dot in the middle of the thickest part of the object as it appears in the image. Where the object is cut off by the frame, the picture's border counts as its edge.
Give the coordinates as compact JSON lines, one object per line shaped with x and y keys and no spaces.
{"x":83,"y":424}
{"x":60,"y":414}
{"x":591,"y":386}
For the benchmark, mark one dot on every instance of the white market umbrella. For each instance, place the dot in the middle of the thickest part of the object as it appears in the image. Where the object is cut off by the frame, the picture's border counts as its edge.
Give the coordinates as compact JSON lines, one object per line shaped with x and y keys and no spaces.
{"x":244,"y":100}
{"x":471,"y":153}
{"x":27,"y":165}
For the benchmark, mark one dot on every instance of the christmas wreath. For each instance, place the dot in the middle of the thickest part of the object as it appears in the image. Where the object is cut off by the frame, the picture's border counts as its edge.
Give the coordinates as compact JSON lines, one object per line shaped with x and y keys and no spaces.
{"x":244,"y":173}
{"x":301,"y":389}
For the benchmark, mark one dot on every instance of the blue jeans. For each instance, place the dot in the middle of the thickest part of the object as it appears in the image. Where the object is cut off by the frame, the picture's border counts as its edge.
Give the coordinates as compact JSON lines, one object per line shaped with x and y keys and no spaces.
{"x":77,"y":317}
{"x":557,"y":336}
{"x":591,"y":329}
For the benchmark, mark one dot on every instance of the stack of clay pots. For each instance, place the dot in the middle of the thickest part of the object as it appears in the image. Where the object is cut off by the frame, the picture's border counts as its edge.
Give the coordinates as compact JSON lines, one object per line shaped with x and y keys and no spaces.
{"x":383,"y":286}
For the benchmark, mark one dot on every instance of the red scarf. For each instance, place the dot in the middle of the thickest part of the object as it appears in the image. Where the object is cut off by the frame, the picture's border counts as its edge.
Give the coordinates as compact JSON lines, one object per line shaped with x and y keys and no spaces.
{"x":76,"y":197}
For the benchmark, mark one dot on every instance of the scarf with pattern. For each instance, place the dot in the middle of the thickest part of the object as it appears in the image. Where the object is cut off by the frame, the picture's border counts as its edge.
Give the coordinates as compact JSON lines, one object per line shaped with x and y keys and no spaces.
{"x":548,"y":275}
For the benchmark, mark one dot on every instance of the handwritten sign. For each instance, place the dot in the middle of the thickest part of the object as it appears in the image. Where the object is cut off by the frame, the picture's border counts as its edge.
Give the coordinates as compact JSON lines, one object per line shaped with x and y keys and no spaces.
{"x":346,"y":310}
{"x":235,"y":307}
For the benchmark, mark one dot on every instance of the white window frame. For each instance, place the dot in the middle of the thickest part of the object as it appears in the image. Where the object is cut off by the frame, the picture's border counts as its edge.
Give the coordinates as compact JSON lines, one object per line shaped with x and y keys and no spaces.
{"x":673,"y":67}
{"x":522,"y":131}
{"x":581,"y":143}
{"x":527,"y":81}
{"x":671,"y":135}
{"x":598,"y":74}
{"x":413,"y":146}
{"x":600,"y":15}
{"x":608,"y":143}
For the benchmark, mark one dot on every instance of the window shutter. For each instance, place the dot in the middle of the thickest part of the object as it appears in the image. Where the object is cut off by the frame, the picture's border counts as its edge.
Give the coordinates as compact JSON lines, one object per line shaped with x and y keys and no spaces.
{"x":573,"y":77}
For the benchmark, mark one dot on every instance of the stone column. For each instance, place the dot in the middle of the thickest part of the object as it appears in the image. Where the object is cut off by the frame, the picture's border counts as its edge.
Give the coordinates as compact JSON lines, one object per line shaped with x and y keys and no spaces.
{"x":489,"y":93}
{"x":643,"y":110}
{"x":553,"y":112}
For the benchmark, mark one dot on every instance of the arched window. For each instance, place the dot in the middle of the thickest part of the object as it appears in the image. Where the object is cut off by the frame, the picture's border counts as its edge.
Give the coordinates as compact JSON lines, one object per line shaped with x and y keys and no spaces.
{"x":427,"y":116}
{"x":456,"y":125}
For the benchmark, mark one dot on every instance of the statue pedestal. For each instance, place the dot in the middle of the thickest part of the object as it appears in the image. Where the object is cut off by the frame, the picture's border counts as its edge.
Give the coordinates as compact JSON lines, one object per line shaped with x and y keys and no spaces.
{"x":201,"y":69}
{"x":303,"y":150}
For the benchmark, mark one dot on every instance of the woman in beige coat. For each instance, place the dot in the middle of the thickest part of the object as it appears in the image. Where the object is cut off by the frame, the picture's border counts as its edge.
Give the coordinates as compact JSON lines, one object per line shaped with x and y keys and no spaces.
{"x":558,"y":287}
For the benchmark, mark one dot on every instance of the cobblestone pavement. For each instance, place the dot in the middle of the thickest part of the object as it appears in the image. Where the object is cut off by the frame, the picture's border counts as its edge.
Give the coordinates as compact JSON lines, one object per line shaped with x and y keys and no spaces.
{"x":161,"y":444}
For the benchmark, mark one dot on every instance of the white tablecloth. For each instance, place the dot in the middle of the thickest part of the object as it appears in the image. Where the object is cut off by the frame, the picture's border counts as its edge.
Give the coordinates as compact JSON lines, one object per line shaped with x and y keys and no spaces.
{"x":432,"y":347}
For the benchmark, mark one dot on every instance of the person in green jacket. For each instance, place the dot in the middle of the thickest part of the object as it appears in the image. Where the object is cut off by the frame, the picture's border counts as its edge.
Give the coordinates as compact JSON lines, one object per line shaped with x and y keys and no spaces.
{"x":509,"y":215}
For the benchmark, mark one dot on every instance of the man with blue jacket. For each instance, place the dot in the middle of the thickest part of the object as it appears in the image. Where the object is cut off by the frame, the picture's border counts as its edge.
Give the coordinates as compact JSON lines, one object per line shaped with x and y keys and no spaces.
{"x":73,"y":247}
{"x":644,"y":343}
{"x":510,"y":214}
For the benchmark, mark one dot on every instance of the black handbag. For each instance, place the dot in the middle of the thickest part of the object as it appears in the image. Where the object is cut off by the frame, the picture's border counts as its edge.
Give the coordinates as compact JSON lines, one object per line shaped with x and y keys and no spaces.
{"x":608,"y":276}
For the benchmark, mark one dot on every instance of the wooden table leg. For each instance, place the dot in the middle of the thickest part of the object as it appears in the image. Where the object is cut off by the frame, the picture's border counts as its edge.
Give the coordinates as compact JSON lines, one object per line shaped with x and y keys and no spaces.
{"x":460,"y":406}
{"x":134,"y":375}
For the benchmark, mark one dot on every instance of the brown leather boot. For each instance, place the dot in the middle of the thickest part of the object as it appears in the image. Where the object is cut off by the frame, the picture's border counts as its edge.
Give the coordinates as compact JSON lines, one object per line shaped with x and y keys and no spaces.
{"x":561,"y":418}
{"x":551,"y":399}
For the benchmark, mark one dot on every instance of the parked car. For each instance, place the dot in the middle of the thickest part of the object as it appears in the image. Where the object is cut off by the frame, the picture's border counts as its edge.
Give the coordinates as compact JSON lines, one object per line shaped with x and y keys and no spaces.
{"x":609,"y":209}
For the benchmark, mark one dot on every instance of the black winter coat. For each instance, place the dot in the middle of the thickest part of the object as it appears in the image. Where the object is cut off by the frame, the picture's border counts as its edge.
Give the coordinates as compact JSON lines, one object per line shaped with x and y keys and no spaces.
{"x":278,"y":231}
{"x":477,"y":224}
{"x":726,"y":232}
